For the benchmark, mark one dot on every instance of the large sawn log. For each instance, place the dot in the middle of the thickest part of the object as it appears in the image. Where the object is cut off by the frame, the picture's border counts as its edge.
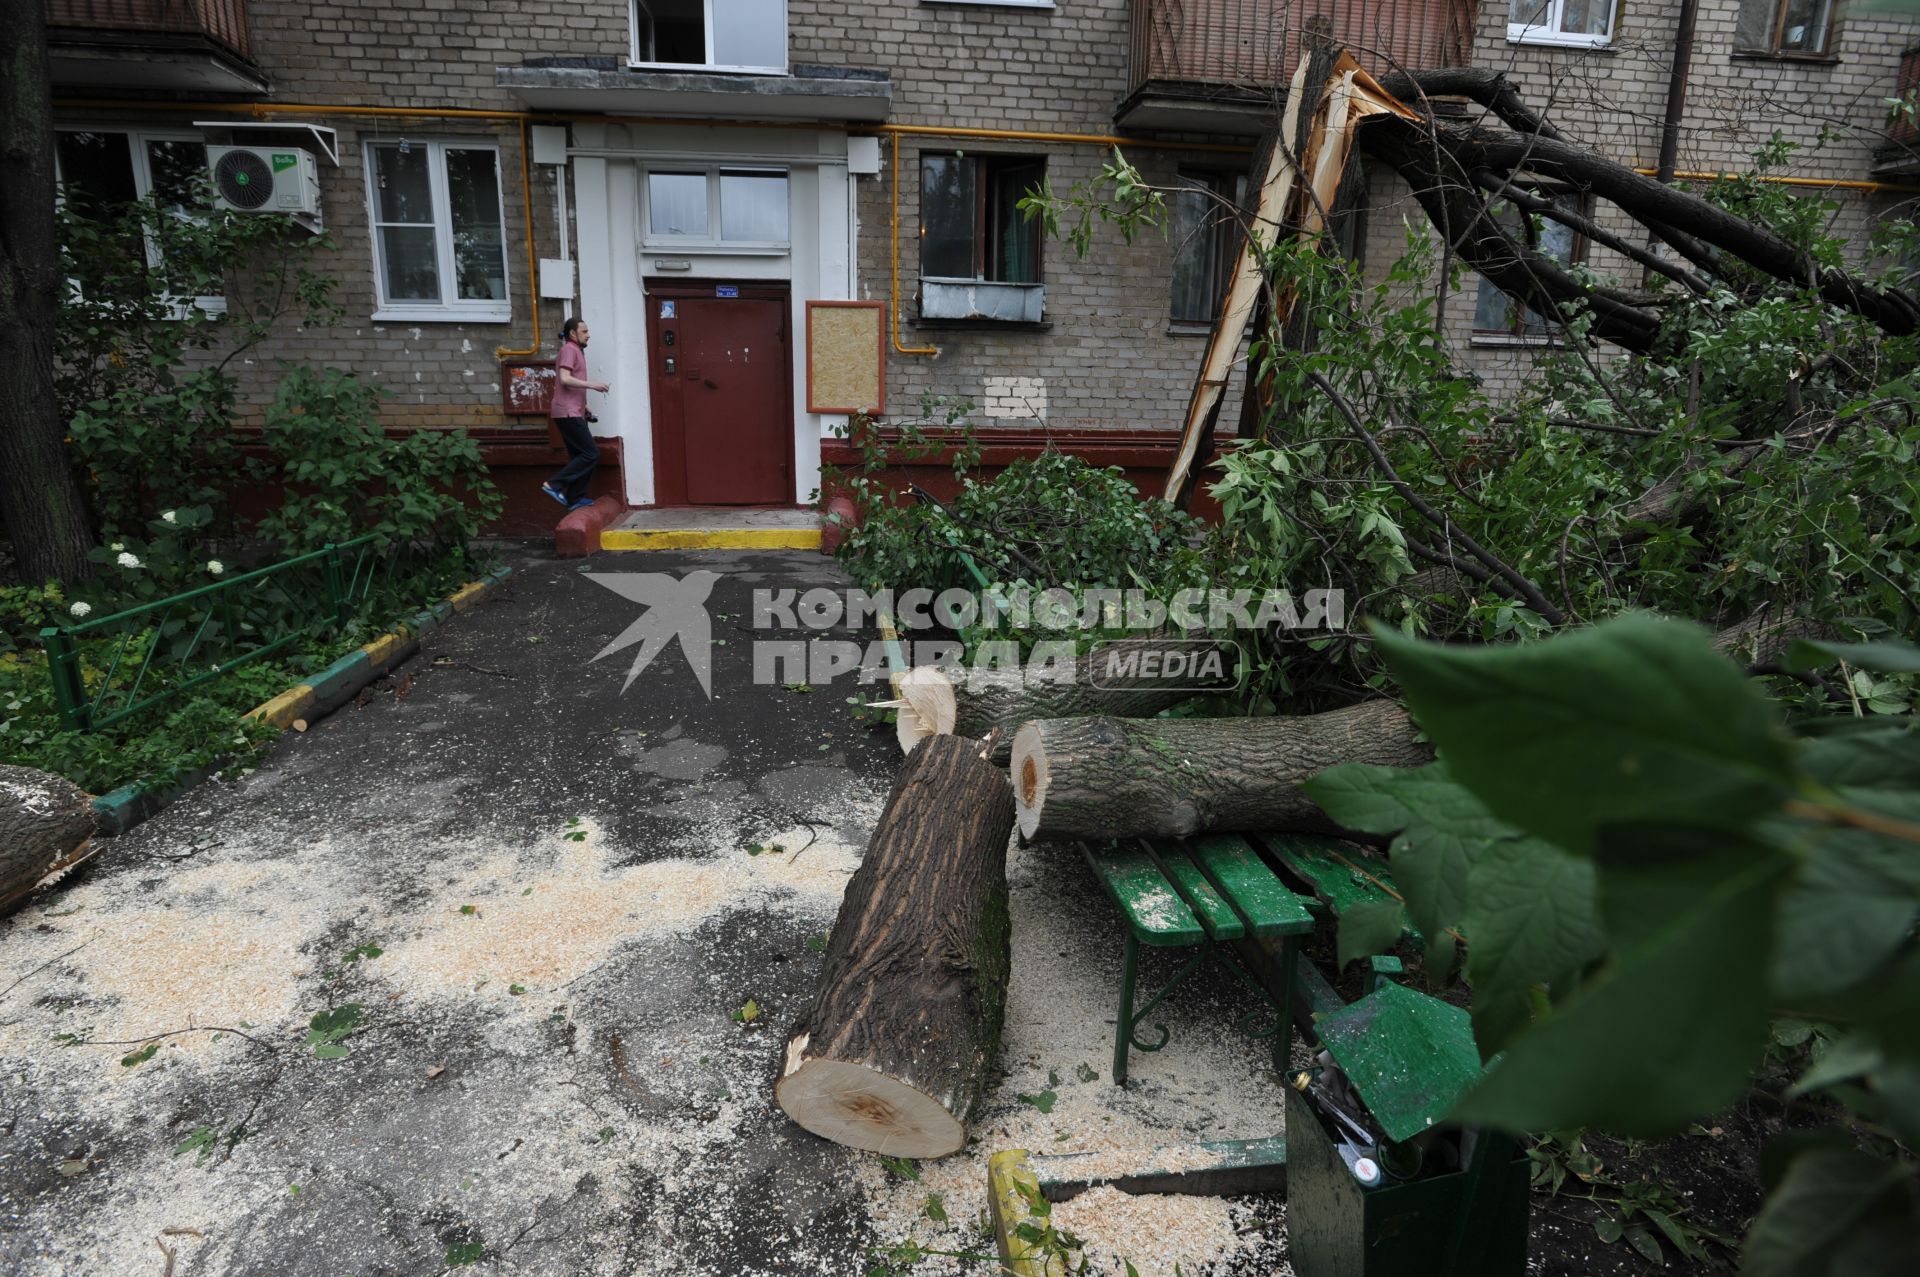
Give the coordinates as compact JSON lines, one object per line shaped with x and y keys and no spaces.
{"x":899,"y":1043}
{"x":1125,"y":678}
{"x":1112,"y":777}
{"x":45,"y":822}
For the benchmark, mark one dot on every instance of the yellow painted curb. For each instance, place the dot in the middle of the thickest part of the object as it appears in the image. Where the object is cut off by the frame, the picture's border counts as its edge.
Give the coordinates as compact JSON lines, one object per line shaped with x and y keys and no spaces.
{"x":383,"y":649}
{"x":1007,"y":1174}
{"x":711,"y":539}
{"x":467,"y":595}
{"x":284,"y":708}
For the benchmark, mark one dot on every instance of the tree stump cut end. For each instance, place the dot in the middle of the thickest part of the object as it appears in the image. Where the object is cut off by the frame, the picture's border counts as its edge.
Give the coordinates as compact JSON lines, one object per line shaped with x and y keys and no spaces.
{"x":1029,"y":777}
{"x":924,"y":706}
{"x":864,"y":1108}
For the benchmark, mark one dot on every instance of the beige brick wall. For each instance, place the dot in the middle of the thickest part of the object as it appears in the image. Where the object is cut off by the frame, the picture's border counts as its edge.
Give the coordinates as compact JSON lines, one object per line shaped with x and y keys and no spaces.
{"x":1108,"y":357}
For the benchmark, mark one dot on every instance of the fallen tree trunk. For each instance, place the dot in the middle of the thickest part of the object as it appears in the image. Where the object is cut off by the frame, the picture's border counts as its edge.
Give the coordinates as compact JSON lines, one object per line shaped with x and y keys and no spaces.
{"x":898,"y":1045}
{"x":1127,"y":678}
{"x":45,"y":821}
{"x":1111,"y":778}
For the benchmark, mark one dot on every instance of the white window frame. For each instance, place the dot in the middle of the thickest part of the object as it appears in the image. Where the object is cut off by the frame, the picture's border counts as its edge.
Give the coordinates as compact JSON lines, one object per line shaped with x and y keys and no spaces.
{"x":1548,"y":30}
{"x":137,"y":139}
{"x":711,"y":243}
{"x":455,"y":310}
{"x":635,"y":60}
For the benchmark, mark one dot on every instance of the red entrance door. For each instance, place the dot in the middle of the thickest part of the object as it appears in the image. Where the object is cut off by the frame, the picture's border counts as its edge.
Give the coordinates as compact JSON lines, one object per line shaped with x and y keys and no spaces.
{"x":722,"y":394}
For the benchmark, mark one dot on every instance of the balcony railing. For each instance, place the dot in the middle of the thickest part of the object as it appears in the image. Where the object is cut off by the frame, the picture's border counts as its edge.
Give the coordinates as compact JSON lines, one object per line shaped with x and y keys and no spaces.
{"x":1255,"y":43}
{"x":222,"y":21}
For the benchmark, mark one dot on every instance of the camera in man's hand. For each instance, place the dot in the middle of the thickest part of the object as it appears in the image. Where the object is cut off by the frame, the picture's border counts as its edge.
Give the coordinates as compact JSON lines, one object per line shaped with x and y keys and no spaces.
{"x":591,"y":419}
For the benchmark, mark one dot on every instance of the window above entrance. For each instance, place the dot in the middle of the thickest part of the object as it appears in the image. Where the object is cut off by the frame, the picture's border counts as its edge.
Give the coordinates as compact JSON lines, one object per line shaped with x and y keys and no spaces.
{"x":713,"y":35}
{"x":727,"y":209}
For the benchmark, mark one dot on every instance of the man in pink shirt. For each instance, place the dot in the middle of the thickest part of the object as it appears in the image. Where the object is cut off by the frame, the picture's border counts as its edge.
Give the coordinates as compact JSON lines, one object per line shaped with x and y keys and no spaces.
{"x":570,"y":415}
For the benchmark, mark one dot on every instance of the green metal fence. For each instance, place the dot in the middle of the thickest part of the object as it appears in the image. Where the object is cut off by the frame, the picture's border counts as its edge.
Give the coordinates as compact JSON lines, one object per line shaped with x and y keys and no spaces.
{"x":244,"y":618}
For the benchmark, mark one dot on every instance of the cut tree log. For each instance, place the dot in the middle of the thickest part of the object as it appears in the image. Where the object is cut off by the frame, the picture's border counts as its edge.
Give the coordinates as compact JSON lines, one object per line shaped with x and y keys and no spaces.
{"x":45,"y":822}
{"x":1113,"y":778}
{"x":1108,"y":679}
{"x":898,"y":1046}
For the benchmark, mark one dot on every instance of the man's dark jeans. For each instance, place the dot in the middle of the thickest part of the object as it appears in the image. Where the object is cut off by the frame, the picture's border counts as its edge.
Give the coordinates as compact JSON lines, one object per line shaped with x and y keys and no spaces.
{"x":583,"y":454}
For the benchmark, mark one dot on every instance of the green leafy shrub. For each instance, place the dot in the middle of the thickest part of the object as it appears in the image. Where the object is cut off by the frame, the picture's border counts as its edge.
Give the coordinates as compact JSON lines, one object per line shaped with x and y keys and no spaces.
{"x":346,"y":477}
{"x":142,"y":379}
{"x":1048,"y":521}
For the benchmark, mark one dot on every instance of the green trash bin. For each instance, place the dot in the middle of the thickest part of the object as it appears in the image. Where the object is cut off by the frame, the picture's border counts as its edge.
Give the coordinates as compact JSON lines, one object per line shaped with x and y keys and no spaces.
{"x":1377,"y":1184}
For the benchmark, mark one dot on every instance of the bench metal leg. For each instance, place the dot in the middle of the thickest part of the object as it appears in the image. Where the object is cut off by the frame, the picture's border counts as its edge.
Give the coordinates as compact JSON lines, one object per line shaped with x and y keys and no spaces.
{"x":1123,"y":1026}
{"x":1283,"y":1035}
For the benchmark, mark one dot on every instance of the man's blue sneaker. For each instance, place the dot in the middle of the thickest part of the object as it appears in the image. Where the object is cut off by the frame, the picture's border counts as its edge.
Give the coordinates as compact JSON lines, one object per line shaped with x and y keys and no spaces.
{"x":580,"y":504}
{"x":555,"y":493}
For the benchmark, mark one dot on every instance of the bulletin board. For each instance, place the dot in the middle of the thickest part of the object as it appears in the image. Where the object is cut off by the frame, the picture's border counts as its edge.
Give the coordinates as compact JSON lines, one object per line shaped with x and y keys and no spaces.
{"x":526,"y":387}
{"x":846,"y":357}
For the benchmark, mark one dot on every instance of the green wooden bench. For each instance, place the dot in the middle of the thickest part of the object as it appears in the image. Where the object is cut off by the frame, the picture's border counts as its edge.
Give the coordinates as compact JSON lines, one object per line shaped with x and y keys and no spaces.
{"x":1202,"y":893}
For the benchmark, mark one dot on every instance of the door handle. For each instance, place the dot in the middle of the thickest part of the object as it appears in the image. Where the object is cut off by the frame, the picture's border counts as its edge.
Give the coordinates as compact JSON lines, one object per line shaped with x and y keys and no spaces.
{"x":710,"y":383}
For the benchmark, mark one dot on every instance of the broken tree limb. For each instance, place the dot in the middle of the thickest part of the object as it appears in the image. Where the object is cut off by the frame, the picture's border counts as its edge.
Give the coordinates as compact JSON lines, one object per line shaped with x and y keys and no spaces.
{"x":1113,"y":777}
{"x":898,"y":1045}
{"x":1296,"y":180}
{"x":1126,"y":678}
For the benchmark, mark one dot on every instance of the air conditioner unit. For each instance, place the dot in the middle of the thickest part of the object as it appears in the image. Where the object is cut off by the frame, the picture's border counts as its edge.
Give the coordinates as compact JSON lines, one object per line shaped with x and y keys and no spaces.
{"x":266,"y":179}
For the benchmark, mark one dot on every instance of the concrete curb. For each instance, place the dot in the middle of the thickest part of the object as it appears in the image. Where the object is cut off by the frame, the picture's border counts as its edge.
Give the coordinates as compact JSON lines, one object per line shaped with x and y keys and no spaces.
{"x":581,"y":532}
{"x":711,"y":539}
{"x":326,"y":691}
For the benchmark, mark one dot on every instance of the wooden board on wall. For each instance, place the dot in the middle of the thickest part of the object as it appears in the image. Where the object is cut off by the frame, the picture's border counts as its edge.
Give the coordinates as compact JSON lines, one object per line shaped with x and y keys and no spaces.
{"x":846,"y":357}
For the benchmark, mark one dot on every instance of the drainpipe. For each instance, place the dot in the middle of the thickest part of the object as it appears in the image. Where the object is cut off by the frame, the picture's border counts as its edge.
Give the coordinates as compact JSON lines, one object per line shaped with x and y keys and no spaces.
{"x":1676,"y":106}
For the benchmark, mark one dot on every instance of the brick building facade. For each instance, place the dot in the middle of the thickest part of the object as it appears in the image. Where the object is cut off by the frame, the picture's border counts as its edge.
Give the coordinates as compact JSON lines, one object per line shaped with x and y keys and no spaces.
{"x":642,"y":161}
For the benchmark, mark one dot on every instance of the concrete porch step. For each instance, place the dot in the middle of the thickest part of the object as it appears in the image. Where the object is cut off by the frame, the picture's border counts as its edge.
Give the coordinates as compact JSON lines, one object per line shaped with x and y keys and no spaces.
{"x":710,"y":528}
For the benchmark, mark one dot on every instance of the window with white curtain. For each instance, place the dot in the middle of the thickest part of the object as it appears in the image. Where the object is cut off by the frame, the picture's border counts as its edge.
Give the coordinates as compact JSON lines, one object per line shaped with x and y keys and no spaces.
{"x":720,"y":207}
{"x":439,"y":231}
{"x":720,"y":35}
{"x":1580,"y":23}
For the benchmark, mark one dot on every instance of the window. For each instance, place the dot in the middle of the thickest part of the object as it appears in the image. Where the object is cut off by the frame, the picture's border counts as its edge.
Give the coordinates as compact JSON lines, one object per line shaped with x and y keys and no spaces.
{"x":1206,"y":243}
{"x":730,"y":208}
{"x":1587,"y":23}
{"x":98,"y":169}
{"x":721,"y":35}
{"x":1497,"y":315}
{"x":971,"y":226}
{"x":1784,"y":28}
{"x":439,"y":235}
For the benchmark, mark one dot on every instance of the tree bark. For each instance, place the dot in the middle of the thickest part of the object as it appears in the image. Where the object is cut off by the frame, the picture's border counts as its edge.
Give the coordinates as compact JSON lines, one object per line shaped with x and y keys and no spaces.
{"x":991,"y":704}
{"x":44,"y":819}
{"x":897,"y":1048}
{"x":40,"y":500}
{"x":1113,"y":778}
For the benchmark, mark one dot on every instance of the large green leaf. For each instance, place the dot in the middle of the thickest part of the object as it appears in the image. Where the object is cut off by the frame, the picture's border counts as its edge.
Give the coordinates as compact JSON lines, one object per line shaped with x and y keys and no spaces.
{"x":1534,"y":922}
{"x":1369,"y":928}
{"x":1843,"y":914}
{"x":1888,"y":656}
{"x":1879,"y":758}
{"x":1637,"y":720}
{"x":1441,"y":827}
{"x":1821,"y":1203}
{"x":1670,"y":1029}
